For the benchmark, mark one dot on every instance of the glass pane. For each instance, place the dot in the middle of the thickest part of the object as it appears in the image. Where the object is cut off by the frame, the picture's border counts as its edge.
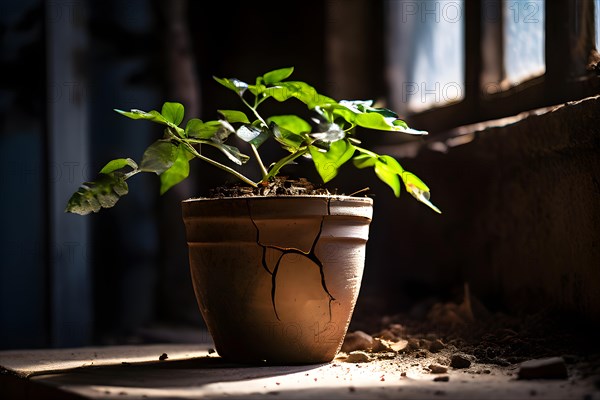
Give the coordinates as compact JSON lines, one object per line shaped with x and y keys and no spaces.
{"x":523,"y":40}
{"x":425,"y":53}
{"x":597,"y":4}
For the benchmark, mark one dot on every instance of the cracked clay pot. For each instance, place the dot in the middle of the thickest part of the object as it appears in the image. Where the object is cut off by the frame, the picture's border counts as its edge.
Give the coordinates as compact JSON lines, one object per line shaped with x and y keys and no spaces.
{"x":276,"y":278}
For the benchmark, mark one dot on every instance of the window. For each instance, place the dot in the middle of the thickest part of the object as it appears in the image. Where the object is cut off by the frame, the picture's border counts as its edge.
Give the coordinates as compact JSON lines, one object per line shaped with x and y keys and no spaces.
{"x":428,"y":66}
{"x":486,"y":59}
{"x":523,"y":24}
{"x":597,"y":9}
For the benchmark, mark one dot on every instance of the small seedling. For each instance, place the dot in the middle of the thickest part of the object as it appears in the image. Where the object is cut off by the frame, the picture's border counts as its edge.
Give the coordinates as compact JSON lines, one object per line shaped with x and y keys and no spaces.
{"x":329,"y":140}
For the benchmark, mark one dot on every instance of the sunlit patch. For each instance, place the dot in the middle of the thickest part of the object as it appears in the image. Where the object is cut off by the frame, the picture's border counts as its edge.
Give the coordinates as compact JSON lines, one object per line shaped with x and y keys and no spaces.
{"x":422,"y":195}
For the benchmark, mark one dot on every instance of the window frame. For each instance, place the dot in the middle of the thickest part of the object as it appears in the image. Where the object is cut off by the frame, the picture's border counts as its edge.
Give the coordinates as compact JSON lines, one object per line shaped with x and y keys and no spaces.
{"x":565,"y":78}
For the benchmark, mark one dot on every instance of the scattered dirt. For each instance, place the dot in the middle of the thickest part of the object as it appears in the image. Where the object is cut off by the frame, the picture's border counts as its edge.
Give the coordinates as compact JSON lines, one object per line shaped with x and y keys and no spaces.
{"x":279,"y":186}
{"x":467,"y":337}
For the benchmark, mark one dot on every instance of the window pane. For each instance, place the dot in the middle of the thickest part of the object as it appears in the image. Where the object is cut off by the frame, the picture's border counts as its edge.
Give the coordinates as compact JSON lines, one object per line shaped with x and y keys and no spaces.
{"x":523,"y":39}
{"x":597,"y":4}
{"x":425,"y":53}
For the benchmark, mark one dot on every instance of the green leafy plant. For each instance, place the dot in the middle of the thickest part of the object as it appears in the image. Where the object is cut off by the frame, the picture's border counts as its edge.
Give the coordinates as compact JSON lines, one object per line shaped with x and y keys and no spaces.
{"x":329,"y":141}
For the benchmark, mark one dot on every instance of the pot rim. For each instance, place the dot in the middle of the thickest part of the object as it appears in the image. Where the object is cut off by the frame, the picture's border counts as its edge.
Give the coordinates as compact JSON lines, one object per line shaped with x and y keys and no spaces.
{"x":300,"y":196}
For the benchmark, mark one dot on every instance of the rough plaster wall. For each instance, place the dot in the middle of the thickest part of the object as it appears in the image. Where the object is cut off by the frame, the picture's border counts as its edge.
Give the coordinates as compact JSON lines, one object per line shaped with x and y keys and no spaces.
{"x":521,"y":218}
{"x":542,"y":220}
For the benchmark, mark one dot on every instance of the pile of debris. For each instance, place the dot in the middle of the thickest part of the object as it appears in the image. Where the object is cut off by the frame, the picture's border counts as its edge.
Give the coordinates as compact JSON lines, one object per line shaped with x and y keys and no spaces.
{"x":468,"y":337}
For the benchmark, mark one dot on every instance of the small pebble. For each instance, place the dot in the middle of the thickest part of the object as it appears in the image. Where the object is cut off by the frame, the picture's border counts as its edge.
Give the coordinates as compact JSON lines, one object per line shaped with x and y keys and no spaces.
{"x":386,"y":334}
{"x":163,"y":356}
{"x":436,"y":346}
{"x":381,"y":346}
{"x":438,"y":369}
{"x":357,"y":340}
{"x":400,"y":345}
{"x":397,"y":329}
{"x":459,"y":361}
{"x":358,"y":357}
{"x":421,"y":354}
{"x":543,"y":368}
{"x":445,"y":378}
{"x":413,"y":343}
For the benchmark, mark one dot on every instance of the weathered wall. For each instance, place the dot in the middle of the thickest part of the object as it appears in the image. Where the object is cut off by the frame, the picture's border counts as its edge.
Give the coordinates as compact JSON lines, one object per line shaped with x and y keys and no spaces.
{"x":521,"y":218}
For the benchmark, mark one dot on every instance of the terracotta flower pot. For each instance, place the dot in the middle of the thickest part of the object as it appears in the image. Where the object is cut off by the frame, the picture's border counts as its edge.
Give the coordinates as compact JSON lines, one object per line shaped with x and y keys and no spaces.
{"x":277,"y":278}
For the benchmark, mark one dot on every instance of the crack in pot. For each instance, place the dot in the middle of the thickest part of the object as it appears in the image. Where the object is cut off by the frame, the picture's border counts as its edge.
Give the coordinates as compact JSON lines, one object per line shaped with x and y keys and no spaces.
{"x":310,"y":255}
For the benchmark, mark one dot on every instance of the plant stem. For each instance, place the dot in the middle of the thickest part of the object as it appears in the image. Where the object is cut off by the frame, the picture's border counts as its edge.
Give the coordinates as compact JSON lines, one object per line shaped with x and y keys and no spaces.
{"x":254,"y":149}
{"x":260,"y":162}
{"x":284,"y":161}
{"x":131,"y":173}
{"x":256,"y":114}
{"x":217,"y":164}
{"x":258,"y":102}
{"x":368,"y":152}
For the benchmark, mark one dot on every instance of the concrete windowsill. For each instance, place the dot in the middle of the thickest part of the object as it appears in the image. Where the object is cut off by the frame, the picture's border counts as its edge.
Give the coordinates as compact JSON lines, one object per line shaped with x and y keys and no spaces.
{"x":126,"y":372}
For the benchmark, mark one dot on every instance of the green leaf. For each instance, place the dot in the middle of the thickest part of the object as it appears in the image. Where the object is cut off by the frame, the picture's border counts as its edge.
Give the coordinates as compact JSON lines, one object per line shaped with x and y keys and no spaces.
{"x":357,"y":105}
{"x":233,"y":84}
{"x":402,"y":127}
{"x":202,"y":130}
{"x":153,"y":115}
{"x":327,"y":163}
{"x":400,"y":123}
{"x":383,"y":111}
{"x":277,"y":75}
{"x":366,"y":106}
{"x":279,"y":93}
{"x":388,"y":175}
{"x":392,"y":163}
{"x":418,"y":189}
{"x":234,"y":116}
{"x":233,"y":153}
{"x":252,"y":134}
{"x":173,"y":112}
{"x":292,"y":123}
{"x":345,"y":113}
{"x":361,"y":113}
{"x":332,"y":134}
{"x":373,"y":121}
{"x":300,"y":90}
{"x":412,"y":181}
{"x":159,"y":157}
{"x":227,"y":83}
{"x":102,"y":193}
{"x":290,"y":140}
{"x":257,"y":89}
{"x":225,"y":129}
{"x":192,"y":126}
{"x":118,"y":163}
{"x":364,"y":161}
{"x":178,"y":171}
